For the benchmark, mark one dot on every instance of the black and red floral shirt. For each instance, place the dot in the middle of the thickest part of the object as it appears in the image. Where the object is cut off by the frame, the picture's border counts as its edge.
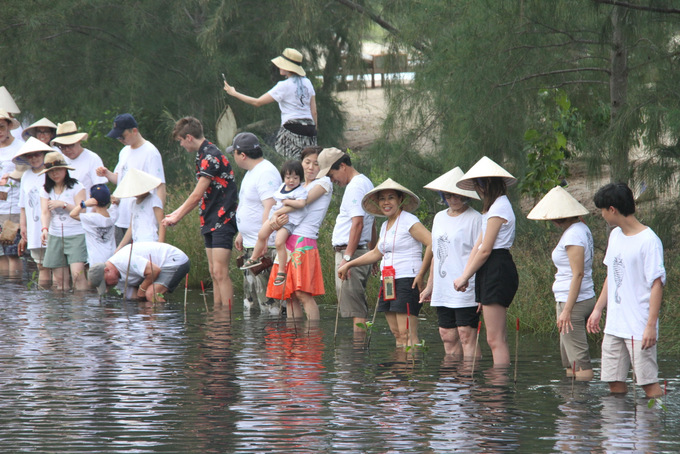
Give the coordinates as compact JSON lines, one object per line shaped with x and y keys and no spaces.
{"x":219,"y":201}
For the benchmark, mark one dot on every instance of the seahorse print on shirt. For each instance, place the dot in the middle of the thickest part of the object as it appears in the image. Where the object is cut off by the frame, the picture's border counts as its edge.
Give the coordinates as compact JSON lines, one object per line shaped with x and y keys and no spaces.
{"x":619,"y":269}
{"x":442,"y":253}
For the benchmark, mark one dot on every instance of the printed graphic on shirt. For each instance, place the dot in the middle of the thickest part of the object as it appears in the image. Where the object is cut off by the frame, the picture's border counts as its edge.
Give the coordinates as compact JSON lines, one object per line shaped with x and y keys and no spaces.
{"x":442,"y":253}
{"x":619,"y":269}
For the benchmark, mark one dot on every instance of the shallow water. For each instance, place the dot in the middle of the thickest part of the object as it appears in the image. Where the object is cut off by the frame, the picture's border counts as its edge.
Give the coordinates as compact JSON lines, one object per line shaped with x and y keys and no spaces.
{"x":80,"y":375}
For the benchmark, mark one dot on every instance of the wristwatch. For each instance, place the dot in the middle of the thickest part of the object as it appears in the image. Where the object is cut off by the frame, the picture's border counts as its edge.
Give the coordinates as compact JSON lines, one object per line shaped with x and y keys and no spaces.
{"x":347,"y":257}
{"x":82,"y":204}
{"x":65,"y":205}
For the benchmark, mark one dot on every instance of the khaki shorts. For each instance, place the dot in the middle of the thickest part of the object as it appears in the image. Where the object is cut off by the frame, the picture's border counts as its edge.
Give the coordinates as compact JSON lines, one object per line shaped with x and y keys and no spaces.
{"x":353,"y":301}
{"x":616,"y":359}
{"x":574,"y":344}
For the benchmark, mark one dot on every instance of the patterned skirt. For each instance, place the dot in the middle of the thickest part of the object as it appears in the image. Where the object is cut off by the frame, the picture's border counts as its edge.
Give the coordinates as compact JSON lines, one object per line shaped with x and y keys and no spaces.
{"x":303,"y":270}
{"x":289,"y":144}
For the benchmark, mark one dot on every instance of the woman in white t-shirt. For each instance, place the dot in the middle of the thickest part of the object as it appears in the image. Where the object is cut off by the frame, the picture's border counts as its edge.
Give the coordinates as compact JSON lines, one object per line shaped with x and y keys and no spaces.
{"x":297,"y":100}
{"x":490,"y":262}
{"x":400,"y":246}
{"x":573,"y":287}
{"x":63,"y":235}
{"x":454,"y":233}
{"x":305,"y":277}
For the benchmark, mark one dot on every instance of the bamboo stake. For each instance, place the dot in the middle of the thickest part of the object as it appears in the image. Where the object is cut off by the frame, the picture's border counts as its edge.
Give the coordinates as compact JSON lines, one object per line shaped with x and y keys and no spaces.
{"x":127,"y":272}
{"x":153,"y":282}
{"x":337,"y":312}
{"x":516,"y":348}
{"x":408,"y":325}
{"x":573,"y":379}
{"x":632,"y":347}
{"x":203,"y":293}
{"x":375,"y":312}
{"x":474,"y":355}
{"x":186,"y":289}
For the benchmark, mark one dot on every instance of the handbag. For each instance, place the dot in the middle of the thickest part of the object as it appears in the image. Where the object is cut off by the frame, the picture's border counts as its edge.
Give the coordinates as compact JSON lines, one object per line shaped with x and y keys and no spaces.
{"x":9,"y":229}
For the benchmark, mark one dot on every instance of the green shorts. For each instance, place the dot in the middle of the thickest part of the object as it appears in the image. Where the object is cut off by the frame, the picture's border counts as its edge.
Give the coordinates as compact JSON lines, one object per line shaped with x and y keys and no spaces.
{"x":72,"y":249}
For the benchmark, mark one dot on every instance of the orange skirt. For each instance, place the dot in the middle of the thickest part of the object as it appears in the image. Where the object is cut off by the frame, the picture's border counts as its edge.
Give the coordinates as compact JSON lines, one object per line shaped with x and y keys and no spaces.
{"x":303,"y":270}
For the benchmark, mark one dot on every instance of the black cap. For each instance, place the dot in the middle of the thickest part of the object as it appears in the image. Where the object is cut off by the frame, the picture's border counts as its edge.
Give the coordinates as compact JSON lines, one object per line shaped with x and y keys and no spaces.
{"x":244,"y":141}
{"x":120,"y":124}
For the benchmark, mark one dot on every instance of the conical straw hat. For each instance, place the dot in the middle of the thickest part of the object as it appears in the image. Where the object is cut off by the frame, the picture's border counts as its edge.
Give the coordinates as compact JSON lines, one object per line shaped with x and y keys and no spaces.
{"x":557,"y":204}
{"x":13,"y":122}
{"x":18,"y":171}
{"x":136,"y":182}
{"x":370,"y":200}
{"x":42,"y":123}
{"x":485,"y":168}
{"x":7,"y":102}
{"x":447,"y":183}
{"x":30,"y":146}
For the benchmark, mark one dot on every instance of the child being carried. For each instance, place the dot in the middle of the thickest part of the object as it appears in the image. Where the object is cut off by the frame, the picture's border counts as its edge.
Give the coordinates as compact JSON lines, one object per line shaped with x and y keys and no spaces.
{"x":291,"y":199}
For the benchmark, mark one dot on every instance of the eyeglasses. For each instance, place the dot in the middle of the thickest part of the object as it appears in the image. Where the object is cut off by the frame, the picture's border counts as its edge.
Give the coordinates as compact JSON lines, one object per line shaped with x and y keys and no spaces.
{"x":37,"y":154}
{"x":63,"y":146}
{"x":44,"y":131}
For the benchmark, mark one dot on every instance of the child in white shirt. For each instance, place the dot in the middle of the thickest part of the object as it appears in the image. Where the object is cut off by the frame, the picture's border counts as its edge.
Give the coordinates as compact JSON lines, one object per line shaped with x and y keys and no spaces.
{"x":291,"y":199}
{"x":98,"y":224}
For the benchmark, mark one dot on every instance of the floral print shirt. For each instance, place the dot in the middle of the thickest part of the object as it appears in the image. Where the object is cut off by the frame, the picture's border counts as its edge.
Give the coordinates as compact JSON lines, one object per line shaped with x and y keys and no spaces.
{"x":218,"y":205}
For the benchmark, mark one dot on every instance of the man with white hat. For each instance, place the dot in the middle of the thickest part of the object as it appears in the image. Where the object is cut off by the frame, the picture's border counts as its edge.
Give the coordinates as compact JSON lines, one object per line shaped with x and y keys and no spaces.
{"x":256,"y":198}
{"x":84,"y":162}
{"x":354,"y":233}
{"x":138,"y":153}
{"x":9,"y":192}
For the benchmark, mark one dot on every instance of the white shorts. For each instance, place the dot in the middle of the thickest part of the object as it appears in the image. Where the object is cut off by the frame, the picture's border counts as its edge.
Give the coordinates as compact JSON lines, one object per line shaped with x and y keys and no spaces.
{"x":616,"y":360}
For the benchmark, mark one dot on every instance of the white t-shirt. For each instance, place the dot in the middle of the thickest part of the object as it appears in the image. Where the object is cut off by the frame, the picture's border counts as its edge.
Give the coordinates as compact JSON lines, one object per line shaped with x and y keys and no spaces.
{"x":453,"y":238}
{"x":259,"y":183}
{"x":29,"y":200}
{"x":633,"y":264}
{"x":60,"y":216}
{"x":161,"y":254}
{"x":294,"y":217}
{"x":501,"y":208}
{"x":316,"y":211}
{"x":294,"y":96}
{"x":577,"y":234}
{"x":145,"y":158}
{"x":11,"y":205}
{"x":85,"y":167}
{"x":99,"y":236}
{"x":351,"y":207}
{"x":399,"y":249}
{"x":144,"y":222}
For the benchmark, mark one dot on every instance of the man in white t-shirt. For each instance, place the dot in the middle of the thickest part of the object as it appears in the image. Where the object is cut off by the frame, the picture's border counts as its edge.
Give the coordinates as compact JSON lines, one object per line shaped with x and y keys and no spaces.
{"x":256,"y":198}
{"x":84,"y":161}
{"x":632,"y":293}
{"x":138,"y":153}
{"x":354,"y":233}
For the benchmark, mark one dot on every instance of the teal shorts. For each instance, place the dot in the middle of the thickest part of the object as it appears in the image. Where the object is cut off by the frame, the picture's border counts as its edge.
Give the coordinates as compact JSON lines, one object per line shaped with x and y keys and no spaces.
{"x":72,"y":249}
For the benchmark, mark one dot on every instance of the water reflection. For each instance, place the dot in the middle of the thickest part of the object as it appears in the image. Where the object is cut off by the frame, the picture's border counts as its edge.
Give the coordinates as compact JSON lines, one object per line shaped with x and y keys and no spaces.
{"x":79,"y":374}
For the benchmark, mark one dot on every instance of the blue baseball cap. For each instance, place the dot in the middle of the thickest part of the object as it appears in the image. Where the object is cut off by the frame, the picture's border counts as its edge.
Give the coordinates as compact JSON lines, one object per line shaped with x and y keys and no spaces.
{"x":120,"y":124}
{"x":101,"y":193}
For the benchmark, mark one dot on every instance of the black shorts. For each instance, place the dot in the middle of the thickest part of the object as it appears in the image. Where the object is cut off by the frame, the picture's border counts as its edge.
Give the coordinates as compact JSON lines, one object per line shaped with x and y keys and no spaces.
{"x":223,"y":237}
{"x":496,"y":282}
{"x":405,"y":295}
{"x":450,"y":317}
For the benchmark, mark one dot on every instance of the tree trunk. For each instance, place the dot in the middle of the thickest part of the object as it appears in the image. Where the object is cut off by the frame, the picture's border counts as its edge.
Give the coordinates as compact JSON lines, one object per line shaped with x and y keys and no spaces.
{"x":618,"y":91}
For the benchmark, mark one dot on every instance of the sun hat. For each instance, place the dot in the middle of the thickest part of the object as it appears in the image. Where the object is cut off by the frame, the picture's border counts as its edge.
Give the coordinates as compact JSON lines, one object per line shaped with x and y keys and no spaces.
{"x":18,"y":171}
{"x":485,"y":168}
{"x":13,"y":122}
{"x":557,"y":204}
{"x":55,"y":160}
{"x":42,"y":123}
{"x":326,"y":159}
{"x":447,"y":183}
{"x":96,"y":277}
{"x":101,"y":193}
{"x":136,"y":182}
{"x":370,"y":201}
{"x":67,"y":134}
{"x":30,"y":146}
{"x":7,"y":102}
{"x":121,"y":123}
{"x":290,"y":60}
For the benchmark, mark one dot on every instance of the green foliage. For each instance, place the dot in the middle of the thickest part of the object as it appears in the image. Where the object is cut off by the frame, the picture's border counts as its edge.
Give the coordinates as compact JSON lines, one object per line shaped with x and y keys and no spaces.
{"x":559,"y":131}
